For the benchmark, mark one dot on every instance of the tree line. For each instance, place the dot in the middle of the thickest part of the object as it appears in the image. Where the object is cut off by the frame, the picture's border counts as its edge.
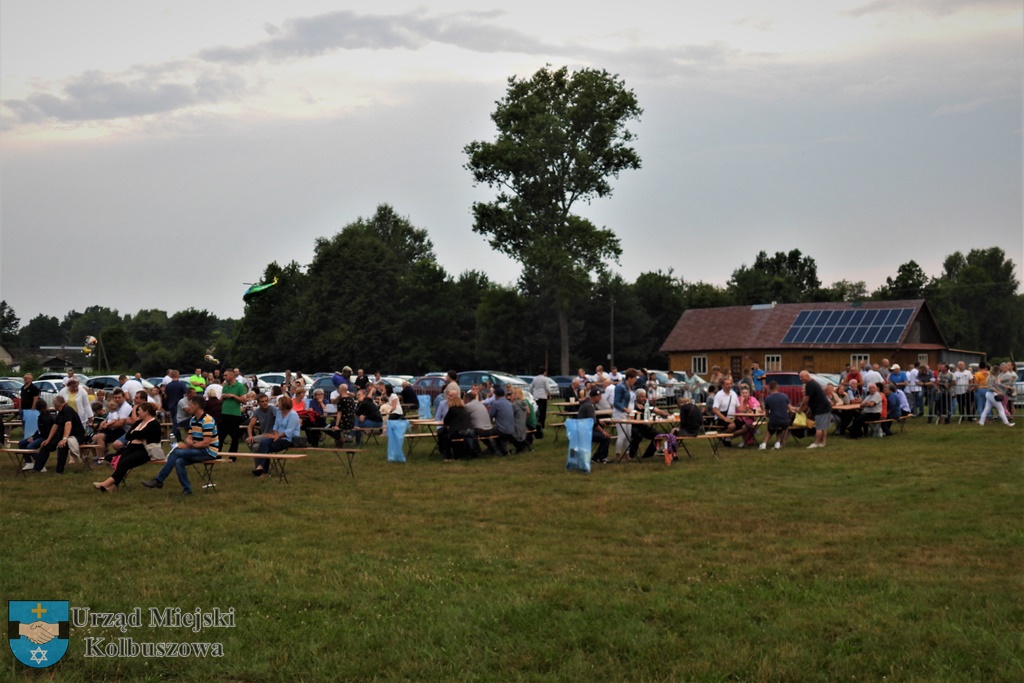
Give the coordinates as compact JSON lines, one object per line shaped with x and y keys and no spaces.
{"x":374,"y":295}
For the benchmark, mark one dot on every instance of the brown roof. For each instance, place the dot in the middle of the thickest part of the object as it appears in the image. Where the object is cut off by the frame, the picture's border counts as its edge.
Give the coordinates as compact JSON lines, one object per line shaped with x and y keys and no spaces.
{"x":760,"y":327}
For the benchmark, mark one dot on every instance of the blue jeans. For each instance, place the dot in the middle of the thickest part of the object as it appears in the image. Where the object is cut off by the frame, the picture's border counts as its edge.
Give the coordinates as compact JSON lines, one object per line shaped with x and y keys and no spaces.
{"x":178,"y":460}
{"x":32,"y":445}
{"x":367,"y":424}
{"x":271,"y":446}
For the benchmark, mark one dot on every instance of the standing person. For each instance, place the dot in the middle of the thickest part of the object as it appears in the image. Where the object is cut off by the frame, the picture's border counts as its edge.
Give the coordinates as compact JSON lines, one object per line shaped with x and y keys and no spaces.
{"x":539,"y":389}
{"x":944,"y":384}
{"x":1008,"y":378}
{"x":913,"y":390}
{"x":962,"y":398}
{"x":201,"y":444}
{"x":64,"y":436}
{"x":820,"y":407}
{"x":29,"y":393}
{"x":757,"y":374}
{"x":980,"y":387}
{"x":621,"y":406}
{"x":588,"y":409}
{"x":232,"y":398}
{"x":174,"y":390}
{"x":78,"y":399}
{"x":197,"y":382}
{"x":146,"y":431}
{"x":995,"y":397}
{"x":776,"y":407}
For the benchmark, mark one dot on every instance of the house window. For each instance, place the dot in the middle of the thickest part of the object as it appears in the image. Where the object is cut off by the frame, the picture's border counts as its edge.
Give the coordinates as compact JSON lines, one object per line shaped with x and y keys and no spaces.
{"x":772,"y":362}
{"x":856,"y":358}
{"x":809,"y":363}
{"x":699,"y":365}
{"x":922,"y":358}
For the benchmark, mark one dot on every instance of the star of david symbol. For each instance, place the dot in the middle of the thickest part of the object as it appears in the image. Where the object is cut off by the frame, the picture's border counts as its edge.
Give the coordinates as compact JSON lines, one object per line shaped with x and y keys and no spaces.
{"x":38,"y":655}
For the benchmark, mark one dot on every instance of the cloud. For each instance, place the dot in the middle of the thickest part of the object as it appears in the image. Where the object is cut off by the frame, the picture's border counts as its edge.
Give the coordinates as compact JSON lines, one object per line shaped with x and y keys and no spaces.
{"x":934,"y":7}
{"x":98,"y":96}
{"x":346,"y":30}
{"x":963,"y":107}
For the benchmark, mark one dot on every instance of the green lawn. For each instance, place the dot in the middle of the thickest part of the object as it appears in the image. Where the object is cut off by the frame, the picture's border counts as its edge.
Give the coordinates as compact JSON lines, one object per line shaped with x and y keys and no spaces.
{"x":896,"y":560}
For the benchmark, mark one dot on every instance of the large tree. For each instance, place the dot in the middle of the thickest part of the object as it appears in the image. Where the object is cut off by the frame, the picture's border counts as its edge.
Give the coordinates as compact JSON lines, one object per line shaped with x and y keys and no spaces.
{"x":9,"y":323}
{"x":561,"y":136}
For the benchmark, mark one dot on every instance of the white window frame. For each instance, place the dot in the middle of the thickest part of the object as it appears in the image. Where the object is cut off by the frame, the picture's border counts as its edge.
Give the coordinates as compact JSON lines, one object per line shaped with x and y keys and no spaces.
{"x":772,"y":362}
{"x":699,"y":365}
{"x":922,"y":358}
{"x":856,"y":358}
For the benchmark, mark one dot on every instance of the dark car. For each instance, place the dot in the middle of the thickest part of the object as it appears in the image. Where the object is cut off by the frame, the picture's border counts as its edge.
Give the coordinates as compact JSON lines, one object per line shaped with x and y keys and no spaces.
{"x":564,"y":383}
{"x":11,"y":388}
{"x":430,"y":385}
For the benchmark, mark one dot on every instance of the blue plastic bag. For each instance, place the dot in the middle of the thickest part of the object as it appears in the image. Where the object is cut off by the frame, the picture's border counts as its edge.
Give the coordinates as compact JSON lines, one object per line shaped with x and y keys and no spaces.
{"x":425,"y":413}
{"x":396,"y":440}
{"x":580,"y":439}
{"x":30,"y":420}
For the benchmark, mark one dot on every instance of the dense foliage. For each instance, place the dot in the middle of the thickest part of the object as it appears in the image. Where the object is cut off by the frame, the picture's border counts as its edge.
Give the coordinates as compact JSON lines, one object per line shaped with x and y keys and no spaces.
{"x":374,"y":295}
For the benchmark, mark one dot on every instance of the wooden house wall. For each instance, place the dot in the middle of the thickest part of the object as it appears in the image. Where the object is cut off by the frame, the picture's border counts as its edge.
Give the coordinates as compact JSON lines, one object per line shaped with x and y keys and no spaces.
{"x":794,"y":360}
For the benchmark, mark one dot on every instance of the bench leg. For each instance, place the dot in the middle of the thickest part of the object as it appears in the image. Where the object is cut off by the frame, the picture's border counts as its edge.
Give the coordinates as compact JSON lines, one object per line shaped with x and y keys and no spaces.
{"x":351,"y":459}
{"x":277,"y":466}
{"x":18,"y":461}
{"x":205,"y":474}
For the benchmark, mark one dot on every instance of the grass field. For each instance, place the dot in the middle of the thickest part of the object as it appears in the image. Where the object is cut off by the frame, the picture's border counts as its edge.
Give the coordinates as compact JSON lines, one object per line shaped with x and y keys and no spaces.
{"x":897,"y":560}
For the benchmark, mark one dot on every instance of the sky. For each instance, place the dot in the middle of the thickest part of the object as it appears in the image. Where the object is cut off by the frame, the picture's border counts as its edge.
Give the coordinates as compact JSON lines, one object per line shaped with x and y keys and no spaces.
{"x":160,"y":155}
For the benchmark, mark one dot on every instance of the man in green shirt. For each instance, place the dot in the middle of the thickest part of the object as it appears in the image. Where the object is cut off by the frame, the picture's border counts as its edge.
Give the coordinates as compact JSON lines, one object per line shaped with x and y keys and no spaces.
{"x":197,"y":382}
{"x":232,"y":397}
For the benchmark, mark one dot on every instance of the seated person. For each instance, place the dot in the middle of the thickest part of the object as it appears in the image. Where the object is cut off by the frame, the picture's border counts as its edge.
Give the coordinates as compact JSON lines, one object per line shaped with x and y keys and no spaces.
{"x":725,"y":404}
{"x":588,"y":409}
{"x":316,"y":417}
{"x":892,"y":406}
{"x":345,"y":417}
{"x":262,"y":421}
{"x":202,"y":443}
{"x":745,"y":423}
{"x":500,"y":411}
{"x":35,"y":440}
{"x":408,"y":394}
{"x":481,"y":420}
{"x":522,"y":440}
{"x":145,"y":431}
{"x":64,"y":436}
{"x":644,"y":411}
{"x":777,"y":408}
{"x":367,"y":414}
{"x":457,"y":425}
{"x":871,"y":410}
{"x":114,"y":423}
{"x":691,"y":419}
{"x":281,"y":437}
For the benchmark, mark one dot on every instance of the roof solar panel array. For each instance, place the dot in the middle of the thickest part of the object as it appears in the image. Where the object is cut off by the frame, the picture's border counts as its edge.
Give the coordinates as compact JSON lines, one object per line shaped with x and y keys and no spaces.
{"x":862,"y":326}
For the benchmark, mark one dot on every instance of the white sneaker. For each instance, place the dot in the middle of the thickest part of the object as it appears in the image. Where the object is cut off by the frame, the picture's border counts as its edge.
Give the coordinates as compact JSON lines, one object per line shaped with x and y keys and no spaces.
{"x":763,"y":447}
{"x":778,"y":446}
{"x":813,"y":445}
{"x":43,"y":470}
{"x":1011,"y":424}
{"x":27,"y":466}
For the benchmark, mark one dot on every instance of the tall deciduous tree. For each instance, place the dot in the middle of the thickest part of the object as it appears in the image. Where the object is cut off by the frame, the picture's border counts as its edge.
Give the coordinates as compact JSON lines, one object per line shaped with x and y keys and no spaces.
{"x":9,"y":323}
{"x":561,"y":137}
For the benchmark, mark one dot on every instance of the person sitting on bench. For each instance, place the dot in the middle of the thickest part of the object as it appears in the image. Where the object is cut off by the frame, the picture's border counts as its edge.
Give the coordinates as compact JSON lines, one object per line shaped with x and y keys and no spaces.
{"x":35,"y":440}
{"x":145,"y":431}
{"x":64,"y":436}
{"x":286,"y":430}
{"x":870,"y":411}
{"x":201,"y":444}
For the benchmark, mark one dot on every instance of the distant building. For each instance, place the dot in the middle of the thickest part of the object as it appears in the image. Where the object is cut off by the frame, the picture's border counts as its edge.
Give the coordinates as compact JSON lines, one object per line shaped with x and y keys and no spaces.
{"x":818,"y":337}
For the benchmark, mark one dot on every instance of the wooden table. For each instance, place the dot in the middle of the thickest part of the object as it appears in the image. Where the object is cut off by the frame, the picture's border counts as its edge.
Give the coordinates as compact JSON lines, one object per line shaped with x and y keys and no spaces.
{"x":431,"y":432}
{"x":757,"y":419}
{"x":17,"y":457}
{"x":661,"y":422}
{"x":349,"y":452}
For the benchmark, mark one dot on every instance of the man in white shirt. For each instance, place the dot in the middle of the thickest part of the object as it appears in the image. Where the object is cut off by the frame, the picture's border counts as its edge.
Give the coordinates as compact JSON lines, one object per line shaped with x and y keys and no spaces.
{"x":871,"y":376}
{"x":600,"y":375}
{"x":615,"y":376}
{"x":724,"y":408}
{"x":539,"y":389}
{"x":130,"y":387}
{"x":913,"y":391}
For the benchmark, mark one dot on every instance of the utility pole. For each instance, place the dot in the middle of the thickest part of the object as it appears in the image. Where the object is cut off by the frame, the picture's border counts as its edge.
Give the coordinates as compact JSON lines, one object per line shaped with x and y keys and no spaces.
{"x":611,"y":336}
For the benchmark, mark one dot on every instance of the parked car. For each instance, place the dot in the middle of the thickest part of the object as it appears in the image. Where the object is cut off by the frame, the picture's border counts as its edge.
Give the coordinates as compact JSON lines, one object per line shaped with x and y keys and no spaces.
{"x":59,"y":376}
{"x":48,"y":389}
{"x":470,"y":377}
{"x":11,"y":388}
{"x":564,"y":383}
{"x":110,"y":382}
{"x":276,"y":379}
{"x":1018,"y":389}
{"x":430,"y":385}
{"x":155,"y":381}
{"x":789,"y":384}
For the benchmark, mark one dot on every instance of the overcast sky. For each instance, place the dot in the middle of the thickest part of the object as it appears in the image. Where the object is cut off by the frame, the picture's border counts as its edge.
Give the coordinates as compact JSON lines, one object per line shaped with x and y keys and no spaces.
{"x":159,"y":155}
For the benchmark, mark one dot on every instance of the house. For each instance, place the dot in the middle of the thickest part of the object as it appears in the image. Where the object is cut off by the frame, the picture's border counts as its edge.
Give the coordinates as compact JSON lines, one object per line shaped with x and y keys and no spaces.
{"x":819,"y":337}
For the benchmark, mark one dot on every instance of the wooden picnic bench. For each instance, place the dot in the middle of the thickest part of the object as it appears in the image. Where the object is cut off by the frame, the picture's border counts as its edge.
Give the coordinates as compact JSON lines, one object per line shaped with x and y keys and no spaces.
{"x":350,"y":453}
{"x":17,"y":456}
{"x":278,"y":461}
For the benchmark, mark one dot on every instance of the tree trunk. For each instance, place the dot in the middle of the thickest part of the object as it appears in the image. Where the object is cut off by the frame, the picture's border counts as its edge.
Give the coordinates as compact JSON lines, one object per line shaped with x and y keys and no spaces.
{"x":563,"y":333}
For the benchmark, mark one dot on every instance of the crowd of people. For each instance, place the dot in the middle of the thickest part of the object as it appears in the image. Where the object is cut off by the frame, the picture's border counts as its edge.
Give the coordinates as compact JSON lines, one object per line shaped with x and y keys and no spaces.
{"x":218,"y":409}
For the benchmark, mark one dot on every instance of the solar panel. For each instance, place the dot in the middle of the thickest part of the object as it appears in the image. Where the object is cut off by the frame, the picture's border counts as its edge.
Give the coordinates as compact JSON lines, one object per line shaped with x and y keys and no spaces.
{"x":846,"y":326}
